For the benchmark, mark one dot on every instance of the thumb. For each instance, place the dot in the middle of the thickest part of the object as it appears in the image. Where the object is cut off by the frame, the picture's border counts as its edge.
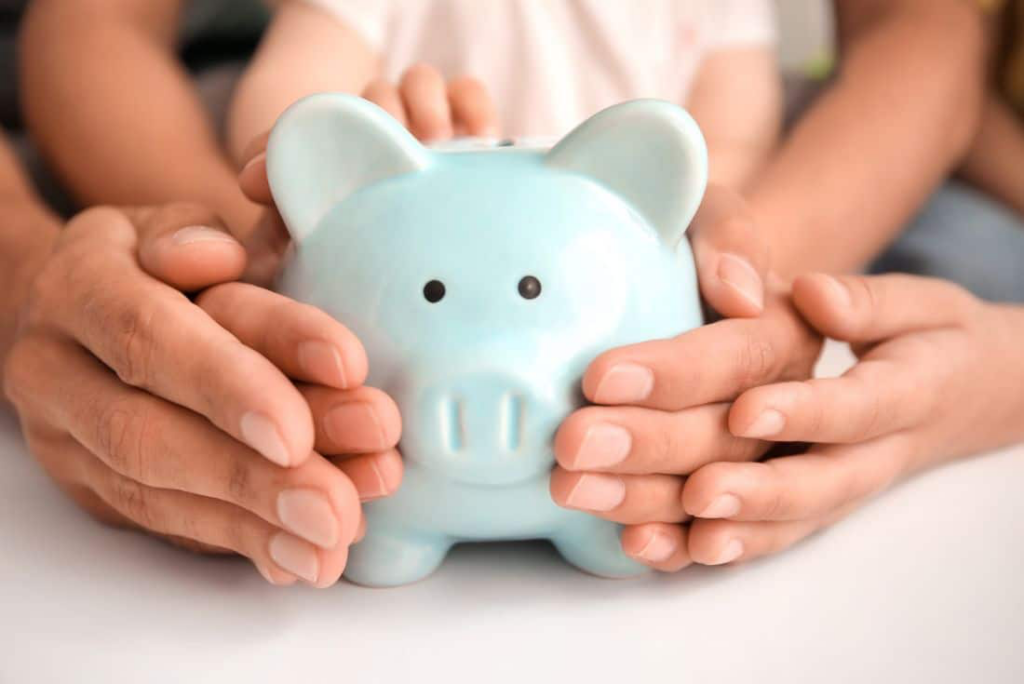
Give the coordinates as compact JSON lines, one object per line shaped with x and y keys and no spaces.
{"x":186,"y":246}
{"x":732,"y":259}
{"x":868,"y":309}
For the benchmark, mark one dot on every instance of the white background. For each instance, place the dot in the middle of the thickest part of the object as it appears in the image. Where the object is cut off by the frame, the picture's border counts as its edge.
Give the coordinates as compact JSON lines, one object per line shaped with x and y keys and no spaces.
{"x":922,"y":585}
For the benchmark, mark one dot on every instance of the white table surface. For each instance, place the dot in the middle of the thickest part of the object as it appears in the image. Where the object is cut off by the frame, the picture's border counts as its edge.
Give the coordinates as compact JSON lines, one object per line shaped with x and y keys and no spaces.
{"x":925,"y":584}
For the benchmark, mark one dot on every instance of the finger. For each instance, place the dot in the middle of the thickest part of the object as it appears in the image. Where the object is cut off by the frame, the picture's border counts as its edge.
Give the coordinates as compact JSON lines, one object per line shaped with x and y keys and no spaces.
{"x":266,"y":246}
{"x":374,"y":475}
{"x":385,"y":95}
{"x":731,"y":257}
{"x":155,"y":339}
{"x":275,"y":553}
{"x":358,"y":421}
{"x":253,"y":180}
{"x":303,"y":341}
{"x":717,"y":542}
{"x":875,"y":397}
{"x":160,"y":445}
{"x":638,"y":441}
{"x":797,"y":487}
{"x":256,"y":147}
{"x":626,"y":499}
{"x":710,"y":364}
{"x":425,"y":98}
{"x":186,"y":246}
{"x":662,"y":546}
{"x":473,"y":110}
{"x":873,"y":308}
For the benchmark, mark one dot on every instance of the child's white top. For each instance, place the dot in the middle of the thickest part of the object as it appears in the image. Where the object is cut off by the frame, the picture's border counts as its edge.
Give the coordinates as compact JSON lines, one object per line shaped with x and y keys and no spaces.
{"x":552,"y":63}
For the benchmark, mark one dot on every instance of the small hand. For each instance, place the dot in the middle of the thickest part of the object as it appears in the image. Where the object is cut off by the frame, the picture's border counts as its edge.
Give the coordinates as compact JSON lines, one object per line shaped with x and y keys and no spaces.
{"x":434,"y":110}
{"x":153,"y":412}
{"x":662,"y":405}
{"x":938,"y":376}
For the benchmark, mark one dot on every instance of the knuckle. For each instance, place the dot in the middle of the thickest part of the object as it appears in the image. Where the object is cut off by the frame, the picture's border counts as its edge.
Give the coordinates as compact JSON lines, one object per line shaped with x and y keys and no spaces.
{"x":133,"y":345}
{"x":122,"y":433}
{"x":239,"y":481}
{"x":871,"y":296}
{"x":757,"y":362}
{"x":775,"y":501}
{"x":130,"y":498}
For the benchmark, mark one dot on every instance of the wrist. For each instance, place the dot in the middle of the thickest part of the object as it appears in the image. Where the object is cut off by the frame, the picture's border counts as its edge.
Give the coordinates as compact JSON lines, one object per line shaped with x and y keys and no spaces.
{"x":30,"y":231}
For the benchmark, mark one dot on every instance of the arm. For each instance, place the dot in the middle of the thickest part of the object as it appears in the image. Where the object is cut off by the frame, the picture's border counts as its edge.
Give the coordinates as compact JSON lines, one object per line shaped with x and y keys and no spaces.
{"x":126,"y":130}
{"x":994,"y":160}
{"x":737,"y":100}
{"x":899,"y":117}
{"x":306,"y":50}
{"x":27,"y":234}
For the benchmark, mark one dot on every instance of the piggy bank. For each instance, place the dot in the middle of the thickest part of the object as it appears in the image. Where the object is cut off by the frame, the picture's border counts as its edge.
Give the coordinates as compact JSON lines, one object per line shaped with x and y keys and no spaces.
{"x":482,"y":282}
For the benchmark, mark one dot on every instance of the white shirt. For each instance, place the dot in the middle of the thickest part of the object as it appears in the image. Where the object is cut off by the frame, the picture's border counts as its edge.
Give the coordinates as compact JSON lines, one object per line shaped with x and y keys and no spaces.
{"x":550,"y":64}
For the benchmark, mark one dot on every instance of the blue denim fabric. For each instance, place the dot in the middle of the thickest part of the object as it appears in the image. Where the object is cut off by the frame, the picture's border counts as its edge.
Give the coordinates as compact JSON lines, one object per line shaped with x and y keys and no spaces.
{"x":965,"y":236}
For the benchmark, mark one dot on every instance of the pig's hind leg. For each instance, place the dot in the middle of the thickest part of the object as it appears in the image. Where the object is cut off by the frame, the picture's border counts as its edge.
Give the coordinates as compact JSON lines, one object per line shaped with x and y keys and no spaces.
{"x":389,"y":558}
{"x":593,"y":545}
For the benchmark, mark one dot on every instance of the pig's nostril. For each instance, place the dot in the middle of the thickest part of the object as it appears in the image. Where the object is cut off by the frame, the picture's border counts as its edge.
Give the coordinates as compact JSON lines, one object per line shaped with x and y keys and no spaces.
{"x":452,"y":423}
{"x":512,"y":421}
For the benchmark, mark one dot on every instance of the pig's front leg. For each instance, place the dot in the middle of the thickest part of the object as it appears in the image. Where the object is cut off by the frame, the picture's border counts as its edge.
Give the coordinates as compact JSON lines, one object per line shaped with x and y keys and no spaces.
{"x":390,"y":557}
{"x":593,"y":545}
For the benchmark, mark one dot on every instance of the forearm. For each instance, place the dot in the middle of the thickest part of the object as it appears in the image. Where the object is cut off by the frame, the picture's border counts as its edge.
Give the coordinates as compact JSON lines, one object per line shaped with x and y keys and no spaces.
{"x":737,"y":100}
{"x":27,"y":232}
{"x":995,"y":162}
{"x":870,"y":151}
{"x":115,"y":112}
{"x":304,"y":51}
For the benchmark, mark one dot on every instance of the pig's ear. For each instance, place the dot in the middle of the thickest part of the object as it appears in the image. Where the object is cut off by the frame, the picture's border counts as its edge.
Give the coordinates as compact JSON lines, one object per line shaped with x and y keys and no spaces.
{"x":651,"y":153}
{"x":327,"y":146}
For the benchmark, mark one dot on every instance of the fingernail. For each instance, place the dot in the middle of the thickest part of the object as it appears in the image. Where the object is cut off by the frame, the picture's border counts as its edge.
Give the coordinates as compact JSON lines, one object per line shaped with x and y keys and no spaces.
{"x":373,"y":482}
{"x":308,"y":514}
{"x":731,"y":551}
{"x":839,"y":291}
{"x":603,"y":445}
{"x":388,"y":470}
{"x":769,"y":423}
{"x":258,"y":159}
{"x":722,"y":506}
{"x":354,"y":424}
{"x":322,"y":361}
{"x":261,"y":434}
{"x":295,"y":556}
{"x":193,"y":234}
{"x":658,"y":548}
{"x":596,"y":493}
{"x":625,"y":384}
{"x":740,"y":275}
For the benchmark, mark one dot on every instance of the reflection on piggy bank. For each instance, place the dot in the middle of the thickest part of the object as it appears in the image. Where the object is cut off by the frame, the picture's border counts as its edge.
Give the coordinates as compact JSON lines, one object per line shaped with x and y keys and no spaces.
{"x":482,"y":282}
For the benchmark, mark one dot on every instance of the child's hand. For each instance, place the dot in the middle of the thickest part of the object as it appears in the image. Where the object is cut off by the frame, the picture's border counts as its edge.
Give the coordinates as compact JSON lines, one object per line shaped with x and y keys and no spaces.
{"x":433,"y":110}
{"x":939,"y":375}
{"x":663,"y":404}
{"x":157,"y":413}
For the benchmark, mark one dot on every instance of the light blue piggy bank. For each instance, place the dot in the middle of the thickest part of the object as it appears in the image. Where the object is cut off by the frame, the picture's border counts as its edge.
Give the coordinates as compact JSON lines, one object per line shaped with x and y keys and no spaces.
{"x":482,"y":283}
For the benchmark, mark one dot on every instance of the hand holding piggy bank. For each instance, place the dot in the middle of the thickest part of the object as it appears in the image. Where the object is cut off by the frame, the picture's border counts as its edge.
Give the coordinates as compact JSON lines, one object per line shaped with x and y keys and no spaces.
{"x":482,"y":283}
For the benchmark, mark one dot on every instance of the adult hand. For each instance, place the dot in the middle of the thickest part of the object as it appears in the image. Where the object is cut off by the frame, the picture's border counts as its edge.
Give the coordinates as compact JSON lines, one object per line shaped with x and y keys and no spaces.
{"x":181,"y":418}
{"x":661,"y":406}
{"x":939,"y":375}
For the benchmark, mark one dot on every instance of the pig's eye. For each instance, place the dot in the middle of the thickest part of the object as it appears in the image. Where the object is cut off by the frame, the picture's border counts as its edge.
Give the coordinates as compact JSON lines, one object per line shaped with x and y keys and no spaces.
{"x":529,"y":287}
{"x":433,"y":291}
